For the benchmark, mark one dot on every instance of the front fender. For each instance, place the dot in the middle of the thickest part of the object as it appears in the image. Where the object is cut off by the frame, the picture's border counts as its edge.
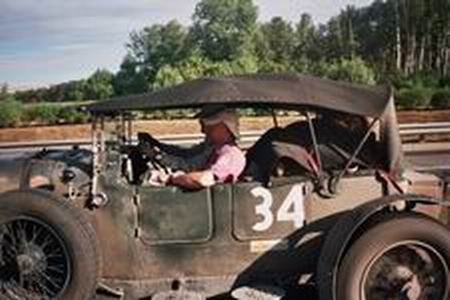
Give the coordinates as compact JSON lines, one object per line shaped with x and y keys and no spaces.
{"x":340,"y":236}
{"x":11,"y":172}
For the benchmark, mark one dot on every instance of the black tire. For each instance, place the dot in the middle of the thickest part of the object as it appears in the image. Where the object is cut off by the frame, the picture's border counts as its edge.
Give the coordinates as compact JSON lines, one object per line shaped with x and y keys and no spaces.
{"x":401,"y":258}
{"x":64,"y":262}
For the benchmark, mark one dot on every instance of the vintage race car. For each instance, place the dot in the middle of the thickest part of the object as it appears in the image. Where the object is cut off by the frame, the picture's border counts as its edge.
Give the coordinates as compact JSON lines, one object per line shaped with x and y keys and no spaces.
{"x":324,"y":210}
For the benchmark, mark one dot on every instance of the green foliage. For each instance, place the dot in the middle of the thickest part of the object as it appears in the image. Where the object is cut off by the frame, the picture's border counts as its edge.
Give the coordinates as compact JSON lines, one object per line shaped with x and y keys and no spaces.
{"x":4,"y":92}
{"x":413,"y":98}
{"x":51,"y":113}
{"x":43,"y":113}
{"x":194,"y":67}
{"x":75,"y":90}
{"x":129,"y":80}
{"x":419,"y":80}
{"x":10,"y":112}
{"x":276,"y":43}
{"x":441,"y":99}
{"x":197,"y":67}
{"x":73,"y":116}
{"x":223,"y":29}
{"x":245,"y":64}
{"x":154,"y":47}
{"x":351,"y":70}
{"x":444,"y":82}
{"x":167,"y":76}
{"x":100,"y":85}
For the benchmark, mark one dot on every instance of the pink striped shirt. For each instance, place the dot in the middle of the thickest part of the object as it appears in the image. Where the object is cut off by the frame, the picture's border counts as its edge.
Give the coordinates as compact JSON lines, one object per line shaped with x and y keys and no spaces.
{"x":227,"y":163}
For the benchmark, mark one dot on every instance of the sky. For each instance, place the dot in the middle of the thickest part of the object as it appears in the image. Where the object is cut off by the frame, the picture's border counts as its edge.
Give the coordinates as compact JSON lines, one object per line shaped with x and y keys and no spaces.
{"x":44,"y":42}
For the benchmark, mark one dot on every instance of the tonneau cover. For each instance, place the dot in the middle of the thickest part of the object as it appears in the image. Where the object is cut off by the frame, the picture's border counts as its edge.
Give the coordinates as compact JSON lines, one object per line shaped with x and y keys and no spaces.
{"x":273,"y":90}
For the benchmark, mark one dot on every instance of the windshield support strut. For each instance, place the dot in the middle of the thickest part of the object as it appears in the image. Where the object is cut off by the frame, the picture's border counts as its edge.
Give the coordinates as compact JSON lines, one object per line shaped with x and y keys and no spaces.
{"x":98,"y":149}
{"x":274,"y":118}
{"x":357,"y":150}
{"x":315,"y":143}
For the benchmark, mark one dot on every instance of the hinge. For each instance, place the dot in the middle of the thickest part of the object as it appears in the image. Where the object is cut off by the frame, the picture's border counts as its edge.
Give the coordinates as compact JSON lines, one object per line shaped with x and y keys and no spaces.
{"x":137,"y":203}
{"x":137,"y":200}
{"x":137,"y":232}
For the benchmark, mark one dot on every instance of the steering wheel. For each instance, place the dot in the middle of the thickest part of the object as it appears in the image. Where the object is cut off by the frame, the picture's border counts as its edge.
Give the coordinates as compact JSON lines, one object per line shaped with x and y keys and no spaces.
{"x":150,"y":152}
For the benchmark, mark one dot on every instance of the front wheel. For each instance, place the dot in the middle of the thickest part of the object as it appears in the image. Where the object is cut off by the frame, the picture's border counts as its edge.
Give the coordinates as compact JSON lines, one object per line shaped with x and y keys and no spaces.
{"x":404,"y":258}
{"x":48,"y":249}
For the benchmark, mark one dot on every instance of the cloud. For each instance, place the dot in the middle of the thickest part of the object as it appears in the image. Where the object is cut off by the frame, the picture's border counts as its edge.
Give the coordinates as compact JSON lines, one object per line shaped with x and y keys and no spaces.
{"x":50,"y":41}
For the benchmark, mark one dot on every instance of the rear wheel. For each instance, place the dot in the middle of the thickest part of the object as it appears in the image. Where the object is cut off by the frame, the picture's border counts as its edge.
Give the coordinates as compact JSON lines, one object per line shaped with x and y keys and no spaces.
{"x":47,"y":249}
{"x":406,"y":257}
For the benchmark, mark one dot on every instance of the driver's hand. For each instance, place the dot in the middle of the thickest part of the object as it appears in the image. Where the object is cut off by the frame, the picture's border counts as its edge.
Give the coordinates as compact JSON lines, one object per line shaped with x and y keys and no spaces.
{"x":148,"y":150}
{"x":147,"y":138}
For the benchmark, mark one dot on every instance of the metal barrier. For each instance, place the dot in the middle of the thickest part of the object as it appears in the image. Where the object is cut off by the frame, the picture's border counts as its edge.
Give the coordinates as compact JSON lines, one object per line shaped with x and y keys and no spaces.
{"x":247,"y":137}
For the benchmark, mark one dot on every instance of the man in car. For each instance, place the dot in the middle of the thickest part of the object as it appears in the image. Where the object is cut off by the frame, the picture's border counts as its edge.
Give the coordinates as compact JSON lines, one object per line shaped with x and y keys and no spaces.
{"x":217,"y":160}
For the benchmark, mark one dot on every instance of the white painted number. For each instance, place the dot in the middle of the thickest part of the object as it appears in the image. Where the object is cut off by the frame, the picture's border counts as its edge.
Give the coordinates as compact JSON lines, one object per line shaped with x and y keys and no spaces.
{"x":263,"y":208}
{"x":291,"y":209}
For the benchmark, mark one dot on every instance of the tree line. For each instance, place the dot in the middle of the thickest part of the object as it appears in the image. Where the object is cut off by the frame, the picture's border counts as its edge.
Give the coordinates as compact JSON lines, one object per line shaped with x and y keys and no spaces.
{"x":404,"y":42}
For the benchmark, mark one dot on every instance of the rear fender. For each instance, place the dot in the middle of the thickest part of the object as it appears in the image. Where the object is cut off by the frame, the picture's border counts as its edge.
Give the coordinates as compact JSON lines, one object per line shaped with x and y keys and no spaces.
{"x":340,"y":237}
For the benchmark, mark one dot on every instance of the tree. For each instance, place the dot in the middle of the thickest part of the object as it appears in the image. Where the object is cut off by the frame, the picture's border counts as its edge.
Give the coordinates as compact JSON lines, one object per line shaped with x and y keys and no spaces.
{"x":100,"y":85}
{"x":347,"y":19}
{"x":156,"y":46}
{"x":75,"y":90}
{"x":11,"y":112}
{"x":129,"y":79}
{"x":276,"y":45}
{"x":404,"y":36}
{"x":197,"y":66}
{"x":352,"y":70}
{"x":223,"y":29}
{"x":4,"y":91}
{"x":307,"y":49}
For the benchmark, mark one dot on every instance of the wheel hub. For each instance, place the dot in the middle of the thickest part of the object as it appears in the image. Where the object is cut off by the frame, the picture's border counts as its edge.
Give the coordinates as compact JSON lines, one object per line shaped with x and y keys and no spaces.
{"x":31,"y":261}
{"x":409,"y":271}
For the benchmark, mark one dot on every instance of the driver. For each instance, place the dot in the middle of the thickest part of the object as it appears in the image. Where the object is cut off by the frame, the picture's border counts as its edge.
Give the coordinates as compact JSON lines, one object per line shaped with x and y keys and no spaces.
{"x":217,"y":160}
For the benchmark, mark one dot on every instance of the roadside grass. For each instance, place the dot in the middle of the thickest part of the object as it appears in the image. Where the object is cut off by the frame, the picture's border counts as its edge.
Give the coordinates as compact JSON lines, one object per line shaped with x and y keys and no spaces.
{"x":16,"y":114}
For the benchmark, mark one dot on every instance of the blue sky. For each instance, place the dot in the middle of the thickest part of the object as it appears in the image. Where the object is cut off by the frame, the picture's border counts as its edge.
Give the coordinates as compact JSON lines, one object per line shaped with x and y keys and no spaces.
{"x":50,"y":41}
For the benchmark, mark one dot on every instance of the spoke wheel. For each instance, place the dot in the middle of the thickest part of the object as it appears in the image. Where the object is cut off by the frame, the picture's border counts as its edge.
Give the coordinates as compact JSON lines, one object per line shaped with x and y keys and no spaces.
{"x":34,"y":261}
{"x":408,"y":270}
{"x":405,"y":257}
{"x":48,"y":248}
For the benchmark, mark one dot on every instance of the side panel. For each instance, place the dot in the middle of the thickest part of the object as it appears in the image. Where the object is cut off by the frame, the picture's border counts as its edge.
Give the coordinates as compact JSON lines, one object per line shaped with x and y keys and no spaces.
{"x":268,"y":213}
{"x":222,"y":255}
{"x":217,"y":227}
{"x":171,"y":215}
{"x":353,"y":191}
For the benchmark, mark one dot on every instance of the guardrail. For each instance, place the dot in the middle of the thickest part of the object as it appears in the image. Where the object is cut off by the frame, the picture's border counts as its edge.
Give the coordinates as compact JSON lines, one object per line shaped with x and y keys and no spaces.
{"x":409,"y":132}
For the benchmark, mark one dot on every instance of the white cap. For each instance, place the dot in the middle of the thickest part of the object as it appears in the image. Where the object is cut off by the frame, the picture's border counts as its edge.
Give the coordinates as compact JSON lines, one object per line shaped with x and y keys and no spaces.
{"x":216,"y":114}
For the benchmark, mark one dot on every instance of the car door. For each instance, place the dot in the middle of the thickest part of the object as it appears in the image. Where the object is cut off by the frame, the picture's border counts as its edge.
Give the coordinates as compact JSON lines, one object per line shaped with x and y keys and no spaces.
{"x":170,"y":215}
{"x":261,"y":213}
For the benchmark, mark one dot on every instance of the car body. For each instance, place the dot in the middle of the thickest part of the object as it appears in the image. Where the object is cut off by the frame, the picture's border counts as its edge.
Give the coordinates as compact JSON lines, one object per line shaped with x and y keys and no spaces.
{"x":271,"y":236}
